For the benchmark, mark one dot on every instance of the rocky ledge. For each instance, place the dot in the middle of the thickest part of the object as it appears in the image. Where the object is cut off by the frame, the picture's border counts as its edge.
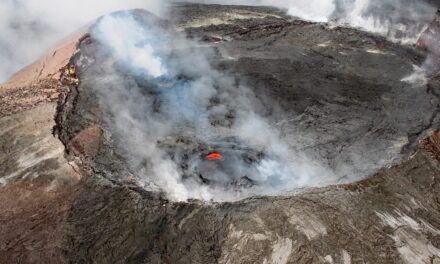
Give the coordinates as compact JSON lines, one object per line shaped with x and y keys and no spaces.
{"x":68,"y":196}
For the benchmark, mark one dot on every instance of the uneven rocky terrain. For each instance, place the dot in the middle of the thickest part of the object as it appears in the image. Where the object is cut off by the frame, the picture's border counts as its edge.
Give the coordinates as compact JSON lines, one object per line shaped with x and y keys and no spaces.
{"x":68,"y":195}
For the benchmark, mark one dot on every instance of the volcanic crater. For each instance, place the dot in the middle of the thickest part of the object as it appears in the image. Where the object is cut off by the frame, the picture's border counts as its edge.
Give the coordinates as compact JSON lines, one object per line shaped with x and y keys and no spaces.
{"x":354,"y":174}
{"x":334,"y":95}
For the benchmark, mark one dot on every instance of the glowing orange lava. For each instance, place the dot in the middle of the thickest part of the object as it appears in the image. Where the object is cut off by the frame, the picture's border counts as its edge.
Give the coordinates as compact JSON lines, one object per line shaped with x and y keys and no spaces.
{"x":214,"y":156}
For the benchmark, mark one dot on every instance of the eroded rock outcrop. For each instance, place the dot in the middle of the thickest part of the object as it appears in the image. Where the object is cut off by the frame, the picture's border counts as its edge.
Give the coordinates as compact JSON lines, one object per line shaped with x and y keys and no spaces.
{"x":79,"y":202}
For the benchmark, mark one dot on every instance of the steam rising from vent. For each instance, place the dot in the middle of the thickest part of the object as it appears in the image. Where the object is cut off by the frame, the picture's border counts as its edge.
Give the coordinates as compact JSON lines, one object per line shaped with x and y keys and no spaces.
{"x":313,"y":10}
{"x":31,"y":27}
{"x":131,"y":45}
{"x":169,"y":110}
{"x":399,"y":20}
{"x":429,"y":41}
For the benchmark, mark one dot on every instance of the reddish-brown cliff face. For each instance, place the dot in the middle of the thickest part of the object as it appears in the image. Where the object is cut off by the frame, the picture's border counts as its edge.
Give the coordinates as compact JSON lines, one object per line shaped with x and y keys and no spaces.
{"x":67,"y":195}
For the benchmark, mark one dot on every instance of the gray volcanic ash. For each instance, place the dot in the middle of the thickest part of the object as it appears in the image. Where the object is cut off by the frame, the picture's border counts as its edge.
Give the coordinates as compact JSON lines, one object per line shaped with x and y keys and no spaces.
{"x":153,"y":99}
{"x":222,"y":134}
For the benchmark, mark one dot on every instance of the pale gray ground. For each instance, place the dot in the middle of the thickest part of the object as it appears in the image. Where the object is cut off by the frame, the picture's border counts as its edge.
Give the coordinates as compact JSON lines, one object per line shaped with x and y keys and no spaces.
{"x":346,"y":104}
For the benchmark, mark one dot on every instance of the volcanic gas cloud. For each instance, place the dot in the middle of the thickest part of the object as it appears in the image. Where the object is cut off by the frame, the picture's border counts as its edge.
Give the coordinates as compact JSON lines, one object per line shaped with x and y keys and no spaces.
{"x":184,"y":127}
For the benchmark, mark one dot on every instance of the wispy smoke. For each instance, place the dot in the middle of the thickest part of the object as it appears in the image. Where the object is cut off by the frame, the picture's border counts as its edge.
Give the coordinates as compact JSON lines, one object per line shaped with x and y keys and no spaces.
{"x":429,"y":41}
{"x":171,"y":92}
{"x":29,"y":28}
{"x":156,"y":86}
{"x":313,"y":10}
{"x":399,"y":20}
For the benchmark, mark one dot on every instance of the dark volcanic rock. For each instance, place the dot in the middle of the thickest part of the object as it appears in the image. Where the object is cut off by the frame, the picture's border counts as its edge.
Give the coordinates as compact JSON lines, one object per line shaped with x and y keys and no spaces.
{"x":336,"y":92}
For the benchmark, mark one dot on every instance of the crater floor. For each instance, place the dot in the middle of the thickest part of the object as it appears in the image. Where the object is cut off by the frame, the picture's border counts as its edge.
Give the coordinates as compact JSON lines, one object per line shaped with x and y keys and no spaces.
{"x":70,"y":197}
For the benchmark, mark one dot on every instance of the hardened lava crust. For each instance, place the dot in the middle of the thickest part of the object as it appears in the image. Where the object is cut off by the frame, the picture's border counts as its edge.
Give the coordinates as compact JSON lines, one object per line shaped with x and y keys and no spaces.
{"x":68,"y":195}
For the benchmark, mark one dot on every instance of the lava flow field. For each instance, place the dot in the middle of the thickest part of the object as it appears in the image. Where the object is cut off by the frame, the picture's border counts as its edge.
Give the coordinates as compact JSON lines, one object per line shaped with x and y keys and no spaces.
{"x":227,"y":134}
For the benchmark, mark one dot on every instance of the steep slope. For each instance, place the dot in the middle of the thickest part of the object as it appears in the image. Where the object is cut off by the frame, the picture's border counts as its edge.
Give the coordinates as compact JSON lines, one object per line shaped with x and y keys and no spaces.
{"x":37,"y":183}
{"x":80,"y":201}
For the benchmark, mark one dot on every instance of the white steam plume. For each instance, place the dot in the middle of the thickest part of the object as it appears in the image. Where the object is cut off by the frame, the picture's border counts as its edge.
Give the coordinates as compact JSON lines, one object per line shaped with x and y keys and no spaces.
{"x":29,"y":28}
{"x":313,"y":10}
{"x":399,"y":20}
{"x":140,"y":124}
